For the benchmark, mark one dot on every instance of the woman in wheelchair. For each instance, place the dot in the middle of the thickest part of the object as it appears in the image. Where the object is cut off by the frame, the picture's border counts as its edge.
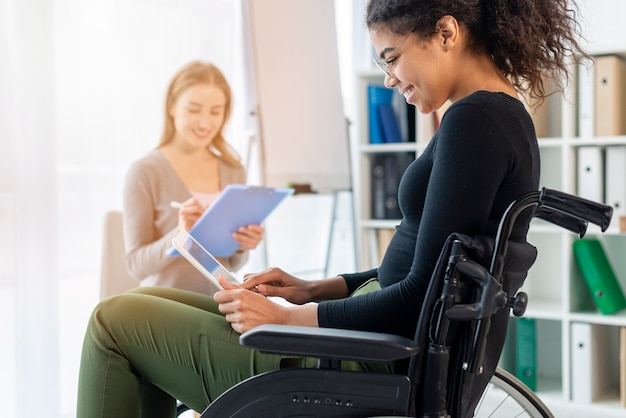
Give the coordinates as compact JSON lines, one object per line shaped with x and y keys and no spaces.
{"x":146,"y":348}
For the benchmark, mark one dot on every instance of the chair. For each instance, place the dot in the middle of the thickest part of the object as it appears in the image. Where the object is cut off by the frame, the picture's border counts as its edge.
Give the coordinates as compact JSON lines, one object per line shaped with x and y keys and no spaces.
{"x":114,"y":276}
{"x":457,"y":344}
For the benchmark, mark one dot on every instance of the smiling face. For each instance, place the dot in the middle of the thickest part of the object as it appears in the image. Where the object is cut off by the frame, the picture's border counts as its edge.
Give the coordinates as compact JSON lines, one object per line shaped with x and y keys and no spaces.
{"x":198,"y":115}
{"x":421,"y":69}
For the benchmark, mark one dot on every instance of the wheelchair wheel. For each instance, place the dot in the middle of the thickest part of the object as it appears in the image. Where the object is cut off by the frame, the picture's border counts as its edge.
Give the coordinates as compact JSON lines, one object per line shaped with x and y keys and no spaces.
{"x":507,"y":396}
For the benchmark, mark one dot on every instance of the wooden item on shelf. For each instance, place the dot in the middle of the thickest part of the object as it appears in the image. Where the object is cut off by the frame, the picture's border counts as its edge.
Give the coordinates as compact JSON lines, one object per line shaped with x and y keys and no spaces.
{"x":622,"y":366}
{"x":610,"y":95}
{"x":384,"y":237}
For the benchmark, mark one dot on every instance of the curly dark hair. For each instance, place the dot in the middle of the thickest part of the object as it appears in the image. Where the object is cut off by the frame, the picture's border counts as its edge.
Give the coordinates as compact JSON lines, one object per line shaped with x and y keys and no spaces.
{"x":529,"y":40}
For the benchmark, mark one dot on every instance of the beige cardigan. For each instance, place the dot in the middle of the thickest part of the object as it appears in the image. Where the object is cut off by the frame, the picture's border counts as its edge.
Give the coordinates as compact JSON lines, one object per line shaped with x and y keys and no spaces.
{"x":150,"y":223}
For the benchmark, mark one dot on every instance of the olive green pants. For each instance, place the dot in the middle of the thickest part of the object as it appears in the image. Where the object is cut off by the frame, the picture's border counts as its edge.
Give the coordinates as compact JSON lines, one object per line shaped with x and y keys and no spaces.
{"x":148,"y":347}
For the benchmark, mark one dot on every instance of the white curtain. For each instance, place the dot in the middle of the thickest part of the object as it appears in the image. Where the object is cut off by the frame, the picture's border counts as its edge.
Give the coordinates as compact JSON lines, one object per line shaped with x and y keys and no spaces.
{"x":28,"y":211}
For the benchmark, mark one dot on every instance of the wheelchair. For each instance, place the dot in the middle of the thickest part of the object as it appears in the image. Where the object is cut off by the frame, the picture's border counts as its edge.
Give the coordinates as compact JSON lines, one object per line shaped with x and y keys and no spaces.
{"x":449,"y":367}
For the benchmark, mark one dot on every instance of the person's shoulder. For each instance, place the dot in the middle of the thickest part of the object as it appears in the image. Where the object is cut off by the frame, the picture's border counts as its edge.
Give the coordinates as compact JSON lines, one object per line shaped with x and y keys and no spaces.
{"x":484,"y":105}
{"x":153,"y":159}
{"x":150,"y":164}
{"x":490,"y":99}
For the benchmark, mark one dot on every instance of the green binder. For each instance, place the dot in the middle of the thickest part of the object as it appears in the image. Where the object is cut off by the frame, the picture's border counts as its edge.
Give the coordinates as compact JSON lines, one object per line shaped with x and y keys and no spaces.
{"x":599,"y":276}
{"x":527,"y":352}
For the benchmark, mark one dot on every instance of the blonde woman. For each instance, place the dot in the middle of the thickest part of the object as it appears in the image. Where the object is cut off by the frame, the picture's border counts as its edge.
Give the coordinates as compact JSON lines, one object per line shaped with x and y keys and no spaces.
{"x":191,"y":165}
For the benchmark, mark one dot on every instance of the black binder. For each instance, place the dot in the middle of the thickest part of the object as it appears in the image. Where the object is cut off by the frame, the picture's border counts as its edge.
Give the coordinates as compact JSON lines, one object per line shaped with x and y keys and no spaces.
{"x":387,"y":170}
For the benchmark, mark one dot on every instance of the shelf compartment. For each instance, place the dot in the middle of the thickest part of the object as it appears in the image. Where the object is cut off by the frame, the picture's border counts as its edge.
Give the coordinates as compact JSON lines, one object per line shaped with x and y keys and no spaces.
{"x":544,"y":284}
{"x":547,"y":345}
{"x":581,"y":300}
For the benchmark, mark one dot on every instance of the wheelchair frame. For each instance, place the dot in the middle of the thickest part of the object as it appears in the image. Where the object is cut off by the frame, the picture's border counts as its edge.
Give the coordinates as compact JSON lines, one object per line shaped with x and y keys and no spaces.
{"x":424,"y":391}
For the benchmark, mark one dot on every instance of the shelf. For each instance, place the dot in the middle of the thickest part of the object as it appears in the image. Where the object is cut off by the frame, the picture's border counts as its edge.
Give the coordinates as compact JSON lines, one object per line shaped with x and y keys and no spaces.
{"x":382,"y":148}
{"x":550,"y":389}
{"x":544,"y":309}
{"x":616,"y":319}
{"x":379,"y":223}
{"x":596,"y":141}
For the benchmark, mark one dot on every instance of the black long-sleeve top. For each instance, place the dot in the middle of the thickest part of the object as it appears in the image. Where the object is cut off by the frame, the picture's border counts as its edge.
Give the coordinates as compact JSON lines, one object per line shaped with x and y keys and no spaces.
{"x":483,"y":156}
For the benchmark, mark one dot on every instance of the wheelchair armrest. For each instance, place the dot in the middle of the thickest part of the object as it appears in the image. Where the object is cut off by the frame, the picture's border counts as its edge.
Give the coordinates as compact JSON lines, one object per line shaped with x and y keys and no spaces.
{"x":339,"y":344}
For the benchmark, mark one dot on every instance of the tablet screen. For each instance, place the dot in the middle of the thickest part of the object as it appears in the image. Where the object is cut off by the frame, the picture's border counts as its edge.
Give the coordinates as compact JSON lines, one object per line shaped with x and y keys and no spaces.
{"x":201,"y":259}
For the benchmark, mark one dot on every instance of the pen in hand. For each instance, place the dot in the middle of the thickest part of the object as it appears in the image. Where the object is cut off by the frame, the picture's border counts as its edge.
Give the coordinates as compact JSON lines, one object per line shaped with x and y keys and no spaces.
{"x":175,"y":204}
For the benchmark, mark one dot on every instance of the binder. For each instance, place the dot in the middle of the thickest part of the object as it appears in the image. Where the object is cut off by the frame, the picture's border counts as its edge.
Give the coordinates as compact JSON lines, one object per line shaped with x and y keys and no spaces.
{"x":590,"y":173}
{"x":545,"y":114}
{"x":586,"y":101}
{"x":387,"y":170}
{"x":622,"y":366}
{"x":610,"y":103}
{"x":615,"y":182}
{"x":526,"y":352}
{"x":389,"y":124}
{"x":395,"y":165}
{"x":411,"y":122}
{"x":599,"y":276}
{"x":376,"y":96}
{"x":590,"y":361}
{"x":378,"y":186}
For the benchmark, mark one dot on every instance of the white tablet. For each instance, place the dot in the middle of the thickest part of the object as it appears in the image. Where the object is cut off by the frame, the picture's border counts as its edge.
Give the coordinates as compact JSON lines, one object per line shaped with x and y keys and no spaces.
{"x":201,"y":259}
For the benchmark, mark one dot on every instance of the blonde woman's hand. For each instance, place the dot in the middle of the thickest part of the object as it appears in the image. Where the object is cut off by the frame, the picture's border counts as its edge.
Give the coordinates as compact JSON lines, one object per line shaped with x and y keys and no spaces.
{"x":189,"y":212}
{"x":249,"y":236}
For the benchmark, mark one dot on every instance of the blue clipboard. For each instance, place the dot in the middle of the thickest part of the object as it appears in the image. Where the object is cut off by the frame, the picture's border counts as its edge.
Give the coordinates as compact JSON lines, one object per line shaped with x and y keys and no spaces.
{"x":237,"y":205}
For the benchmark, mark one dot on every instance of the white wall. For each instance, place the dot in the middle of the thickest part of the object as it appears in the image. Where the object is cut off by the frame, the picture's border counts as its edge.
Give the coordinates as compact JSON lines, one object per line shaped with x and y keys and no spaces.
{"x":603,"y":24}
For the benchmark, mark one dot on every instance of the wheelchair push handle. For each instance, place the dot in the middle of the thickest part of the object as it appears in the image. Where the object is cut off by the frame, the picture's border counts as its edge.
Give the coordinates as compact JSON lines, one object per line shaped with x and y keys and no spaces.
{"x":576,"y":208}
{"x":565,"y":221}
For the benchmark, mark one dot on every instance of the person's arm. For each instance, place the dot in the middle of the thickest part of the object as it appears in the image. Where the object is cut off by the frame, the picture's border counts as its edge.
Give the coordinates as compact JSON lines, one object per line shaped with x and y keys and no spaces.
{"x":245,"y":309}
{"x":146,"y":248}
{"x":276,"y":282}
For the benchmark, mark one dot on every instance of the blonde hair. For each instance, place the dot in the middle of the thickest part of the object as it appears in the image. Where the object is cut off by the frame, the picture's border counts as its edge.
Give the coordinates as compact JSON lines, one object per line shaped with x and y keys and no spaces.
{"x":198,"y":72}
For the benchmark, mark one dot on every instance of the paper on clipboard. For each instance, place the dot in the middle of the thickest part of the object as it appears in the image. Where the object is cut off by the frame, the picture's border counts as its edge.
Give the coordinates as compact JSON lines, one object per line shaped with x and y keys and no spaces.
{"x":236,"y":206}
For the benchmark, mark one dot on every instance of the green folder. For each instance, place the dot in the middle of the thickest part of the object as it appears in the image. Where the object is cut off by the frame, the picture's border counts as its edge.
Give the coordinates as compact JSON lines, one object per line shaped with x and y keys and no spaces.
{"x":599,"y":276}
{"x":527,"y":352}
